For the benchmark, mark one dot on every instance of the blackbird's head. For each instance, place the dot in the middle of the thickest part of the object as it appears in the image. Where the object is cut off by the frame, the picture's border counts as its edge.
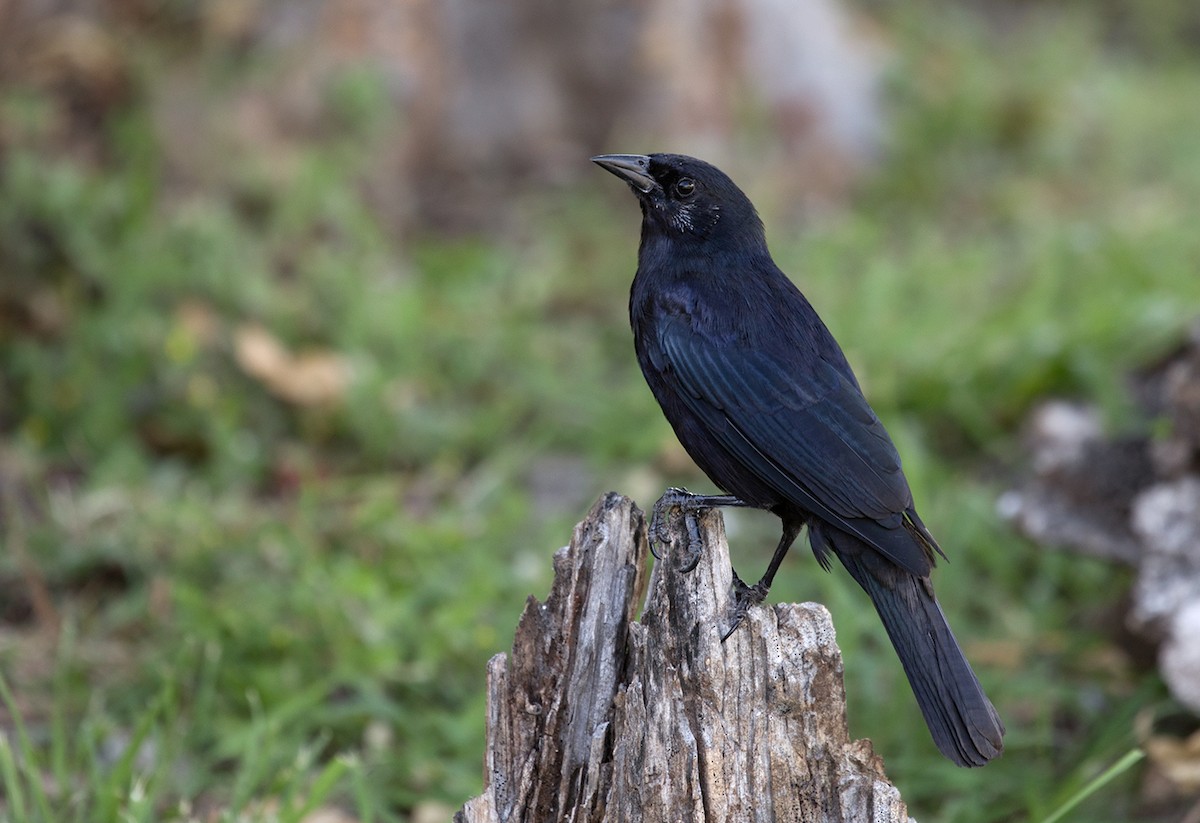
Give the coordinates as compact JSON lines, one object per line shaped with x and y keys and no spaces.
{"x":685,"y":198}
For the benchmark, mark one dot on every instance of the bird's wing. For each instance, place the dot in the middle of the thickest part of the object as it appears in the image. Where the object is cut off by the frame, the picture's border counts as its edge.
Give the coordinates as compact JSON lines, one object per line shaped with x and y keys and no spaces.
{"x":811,"y":436}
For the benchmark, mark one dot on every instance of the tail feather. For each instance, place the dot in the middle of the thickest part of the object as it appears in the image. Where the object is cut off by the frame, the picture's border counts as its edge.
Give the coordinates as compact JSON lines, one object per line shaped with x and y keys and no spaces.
{"x":961,"y":719}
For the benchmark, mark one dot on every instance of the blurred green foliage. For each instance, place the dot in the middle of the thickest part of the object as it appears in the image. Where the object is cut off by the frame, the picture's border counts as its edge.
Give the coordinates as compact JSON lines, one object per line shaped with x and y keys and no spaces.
{"x":296,"y":602}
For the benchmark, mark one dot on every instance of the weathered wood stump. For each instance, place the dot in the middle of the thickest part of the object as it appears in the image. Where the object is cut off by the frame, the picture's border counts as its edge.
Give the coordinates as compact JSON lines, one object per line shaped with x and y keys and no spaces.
{"x":597,"y":717}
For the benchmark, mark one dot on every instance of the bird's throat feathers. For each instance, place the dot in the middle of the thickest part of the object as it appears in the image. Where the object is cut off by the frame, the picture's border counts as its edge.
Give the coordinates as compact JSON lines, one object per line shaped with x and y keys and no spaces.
{"x":665,"y":259}
{"x":702,"y":225}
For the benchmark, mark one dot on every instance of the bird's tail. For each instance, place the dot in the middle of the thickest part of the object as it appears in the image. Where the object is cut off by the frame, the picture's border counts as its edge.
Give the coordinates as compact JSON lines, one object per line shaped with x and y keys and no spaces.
{"x":961,"y":719}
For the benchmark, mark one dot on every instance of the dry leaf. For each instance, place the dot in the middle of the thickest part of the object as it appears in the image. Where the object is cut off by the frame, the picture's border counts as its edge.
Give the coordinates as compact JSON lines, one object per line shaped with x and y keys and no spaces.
{"x":1178,"y":759}
{"x":315,"y":378}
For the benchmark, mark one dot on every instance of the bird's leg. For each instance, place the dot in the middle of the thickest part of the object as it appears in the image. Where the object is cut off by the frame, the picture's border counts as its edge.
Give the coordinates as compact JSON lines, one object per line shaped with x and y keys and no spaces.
{"x":690,"y":505}
{"x":746,"y":596}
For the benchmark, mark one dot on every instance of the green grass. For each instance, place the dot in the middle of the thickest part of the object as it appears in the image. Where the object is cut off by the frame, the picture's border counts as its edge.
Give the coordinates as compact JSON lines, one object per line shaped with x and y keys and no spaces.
{"x":263,"y":608}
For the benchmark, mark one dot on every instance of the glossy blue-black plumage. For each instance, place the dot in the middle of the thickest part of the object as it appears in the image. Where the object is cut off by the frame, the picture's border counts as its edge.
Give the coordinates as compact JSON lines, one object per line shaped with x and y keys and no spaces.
{"x":763,"y":399}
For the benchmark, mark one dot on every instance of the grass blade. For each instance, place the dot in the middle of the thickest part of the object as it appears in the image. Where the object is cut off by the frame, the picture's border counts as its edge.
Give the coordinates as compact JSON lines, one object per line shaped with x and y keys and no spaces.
{"x":28,"y":762}
{"x":10,"y":780}
{"x":1096,"y":784}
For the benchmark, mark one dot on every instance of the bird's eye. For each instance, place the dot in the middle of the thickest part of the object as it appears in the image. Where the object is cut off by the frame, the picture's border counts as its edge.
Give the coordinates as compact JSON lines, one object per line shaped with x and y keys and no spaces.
{"x":685,"y":187}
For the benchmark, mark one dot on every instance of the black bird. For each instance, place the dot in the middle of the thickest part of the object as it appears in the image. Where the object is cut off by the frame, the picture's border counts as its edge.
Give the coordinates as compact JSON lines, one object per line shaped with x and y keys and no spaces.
{"x":761,"y":396}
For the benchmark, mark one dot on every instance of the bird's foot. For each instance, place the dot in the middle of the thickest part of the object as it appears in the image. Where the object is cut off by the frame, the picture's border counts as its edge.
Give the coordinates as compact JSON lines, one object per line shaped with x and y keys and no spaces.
{"x":743,"y":598}
{"x":660,"y":524}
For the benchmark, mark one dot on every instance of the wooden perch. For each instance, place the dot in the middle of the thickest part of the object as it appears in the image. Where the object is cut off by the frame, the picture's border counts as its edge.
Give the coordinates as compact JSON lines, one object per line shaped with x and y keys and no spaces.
{"x":596,"y":717}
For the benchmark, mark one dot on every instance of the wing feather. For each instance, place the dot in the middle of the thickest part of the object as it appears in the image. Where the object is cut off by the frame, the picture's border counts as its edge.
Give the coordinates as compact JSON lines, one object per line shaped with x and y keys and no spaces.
{"x":811,"y":435}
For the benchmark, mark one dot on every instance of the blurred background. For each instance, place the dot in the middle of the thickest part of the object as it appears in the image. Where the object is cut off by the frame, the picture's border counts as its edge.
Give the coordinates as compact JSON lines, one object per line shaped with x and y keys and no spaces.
{"x":313,"y":347}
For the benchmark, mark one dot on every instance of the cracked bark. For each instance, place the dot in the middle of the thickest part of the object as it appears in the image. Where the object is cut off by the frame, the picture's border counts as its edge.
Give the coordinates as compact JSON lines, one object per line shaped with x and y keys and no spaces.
{"x":597,"y":717}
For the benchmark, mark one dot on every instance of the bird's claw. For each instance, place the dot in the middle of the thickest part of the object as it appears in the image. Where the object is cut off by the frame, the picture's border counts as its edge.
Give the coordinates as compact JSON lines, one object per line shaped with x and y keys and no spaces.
{"x":743,"y":598}
{"x":660,"y":526}
{"x":660,"y":521}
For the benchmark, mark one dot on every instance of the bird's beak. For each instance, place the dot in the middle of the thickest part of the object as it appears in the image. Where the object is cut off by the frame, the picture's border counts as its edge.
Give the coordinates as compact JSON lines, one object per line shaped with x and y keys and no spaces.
{"x":634,"y":169}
